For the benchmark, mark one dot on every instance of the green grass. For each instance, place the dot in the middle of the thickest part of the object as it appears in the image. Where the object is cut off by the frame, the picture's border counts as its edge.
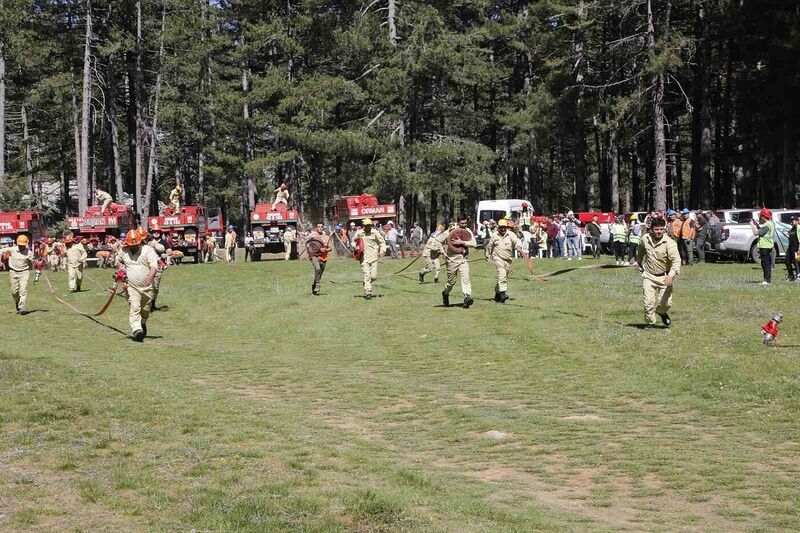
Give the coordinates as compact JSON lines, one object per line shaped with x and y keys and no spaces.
{"x":255,"y":406}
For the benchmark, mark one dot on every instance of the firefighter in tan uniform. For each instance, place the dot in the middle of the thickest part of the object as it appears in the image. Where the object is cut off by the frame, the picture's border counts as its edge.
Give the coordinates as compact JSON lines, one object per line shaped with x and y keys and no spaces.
{"x":456,"y":260}
{"x":289,"y":236}
{"x":374,"y":249}
{"x":175,"y":197}
{"x":659,"y":261}
{"x":140,"y":264}
{"x":20,"y":264}
{"x":76,"y":259}
{"x":158,"y":246}
{"x":500,"y":252}
{"x":55,"y":259}
{"x":104,"y":198}
{"x":230,"y":245}
{"x":281,"y":196}
{"x":431,"y":252}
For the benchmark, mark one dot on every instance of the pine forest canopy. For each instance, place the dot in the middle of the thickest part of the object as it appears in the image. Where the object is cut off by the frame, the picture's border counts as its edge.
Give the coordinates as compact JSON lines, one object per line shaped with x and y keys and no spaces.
{"x":612,"y":105}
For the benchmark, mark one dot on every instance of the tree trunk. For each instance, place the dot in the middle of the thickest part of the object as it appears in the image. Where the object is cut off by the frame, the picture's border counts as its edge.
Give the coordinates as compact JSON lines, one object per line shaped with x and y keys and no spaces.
{"x":659,"y":148}
{"x":581,"y":195}
{"x":140,"y":134}
{"x":2,"y":111}
{"x":83,"y":179}
{"x":390,"y":20}
{"x":613,"y":155}
{"x":636,"y":181}
{"x":115,"y":168}
{"x":701,"y":114}
{"x":152,"y":163}
{"x":26,"y":143}
{"x":76,"y":133}
{"x":250,"y":184}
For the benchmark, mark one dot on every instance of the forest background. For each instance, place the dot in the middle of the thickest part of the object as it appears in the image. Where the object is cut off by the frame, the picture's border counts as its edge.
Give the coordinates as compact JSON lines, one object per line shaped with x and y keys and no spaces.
{"x":613,"y":105}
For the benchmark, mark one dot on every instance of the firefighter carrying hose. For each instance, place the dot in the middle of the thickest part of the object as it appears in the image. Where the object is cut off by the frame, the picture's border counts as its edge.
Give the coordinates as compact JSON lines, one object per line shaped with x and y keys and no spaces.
{"x":138,"y":264}
{"x":20,"y":264}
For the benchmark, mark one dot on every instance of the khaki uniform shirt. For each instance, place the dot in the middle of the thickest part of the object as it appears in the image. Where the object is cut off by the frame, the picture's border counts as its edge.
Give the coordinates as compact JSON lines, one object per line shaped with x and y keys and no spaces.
{"x":76,"y":255}
{"x":374,"y":244}
{"x":289,"y":235}
{"x":103,"y":196}
{"x":174,"y":196}
{"x":137,"y":265}
{"x":502,"y":246}
{"x":18,"y":261}
{"x":658,"y":258}
{"x":281,"y":194}
{"x":433,"y":248}
{"x":230,"y":240}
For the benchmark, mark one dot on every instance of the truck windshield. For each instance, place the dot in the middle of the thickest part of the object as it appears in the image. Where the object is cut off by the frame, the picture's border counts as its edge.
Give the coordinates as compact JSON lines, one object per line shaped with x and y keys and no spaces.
{"x":743,"y":218}
{"x":491,"y":215}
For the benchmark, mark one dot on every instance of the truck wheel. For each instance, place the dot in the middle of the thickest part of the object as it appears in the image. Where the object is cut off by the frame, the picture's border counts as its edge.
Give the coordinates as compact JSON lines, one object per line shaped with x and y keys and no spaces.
{"x":255,"y":255}
{"x":754,"y":254}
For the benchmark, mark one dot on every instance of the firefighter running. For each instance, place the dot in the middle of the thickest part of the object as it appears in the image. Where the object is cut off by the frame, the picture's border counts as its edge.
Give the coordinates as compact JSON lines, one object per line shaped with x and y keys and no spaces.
{"x":500,"y":252}
{"x":456,"y":243}
{"x":318,"y":244}
{"x":374,"y":247}
{"x":20,"y":264}
{"x":431,"y":252}
{"x":659,"y":261}
{"x":139,"y":264}
{"x":76,"y":259}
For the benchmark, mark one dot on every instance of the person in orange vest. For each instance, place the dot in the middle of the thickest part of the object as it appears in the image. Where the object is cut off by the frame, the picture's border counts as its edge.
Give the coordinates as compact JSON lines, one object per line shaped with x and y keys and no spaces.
{"x":687,"y":236}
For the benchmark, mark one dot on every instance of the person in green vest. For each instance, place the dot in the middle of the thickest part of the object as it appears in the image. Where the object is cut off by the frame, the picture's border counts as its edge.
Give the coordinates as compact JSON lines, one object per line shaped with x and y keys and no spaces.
{"x":634,"y":236}
{"x":765,"y":231}
{"x":525,"y":217}
{"x":792,"y":267}
{"x":619,"y":234}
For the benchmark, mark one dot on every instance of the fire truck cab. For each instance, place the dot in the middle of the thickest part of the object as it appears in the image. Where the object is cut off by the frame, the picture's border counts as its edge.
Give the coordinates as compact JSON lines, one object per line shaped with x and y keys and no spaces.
{"x":16,"y":223}
{"x":98,"y":227}
{"x":268,"y":226}
{"x":355,"y":208}
{"x":185,"y":229}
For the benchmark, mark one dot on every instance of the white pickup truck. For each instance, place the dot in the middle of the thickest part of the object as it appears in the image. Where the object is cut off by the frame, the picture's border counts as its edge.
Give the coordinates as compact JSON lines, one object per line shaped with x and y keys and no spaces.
{"x":736,"y":237}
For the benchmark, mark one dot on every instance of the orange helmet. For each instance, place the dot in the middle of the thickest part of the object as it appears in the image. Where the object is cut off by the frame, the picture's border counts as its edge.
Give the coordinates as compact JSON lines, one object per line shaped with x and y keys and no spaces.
{"x":69,"y":239}
{"x":142,"y":232}
{"x":22,"y":240}
{"x":133,"y":238}
{"x":49,"y":240}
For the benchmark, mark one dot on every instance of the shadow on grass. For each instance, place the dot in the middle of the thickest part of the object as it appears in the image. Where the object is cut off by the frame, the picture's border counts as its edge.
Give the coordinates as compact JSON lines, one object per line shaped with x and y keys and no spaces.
{"x":645,"y":326}
{"x":161,"y":309}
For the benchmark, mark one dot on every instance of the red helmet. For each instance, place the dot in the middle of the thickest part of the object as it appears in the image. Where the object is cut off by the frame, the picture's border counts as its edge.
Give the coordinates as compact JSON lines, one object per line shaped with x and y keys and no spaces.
{"x":766,"y":213}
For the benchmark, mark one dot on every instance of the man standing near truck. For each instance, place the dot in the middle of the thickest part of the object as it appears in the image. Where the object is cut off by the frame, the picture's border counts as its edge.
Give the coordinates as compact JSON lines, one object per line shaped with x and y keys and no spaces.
{"x":230,"y":245}
{"x":765,"y":243}
{"x":289,"y":236}
{"x":594,"y":232}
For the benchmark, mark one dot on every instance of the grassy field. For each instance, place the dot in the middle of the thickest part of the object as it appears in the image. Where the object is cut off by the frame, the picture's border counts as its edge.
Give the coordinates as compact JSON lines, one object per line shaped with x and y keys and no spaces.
{"x":256,"y":406}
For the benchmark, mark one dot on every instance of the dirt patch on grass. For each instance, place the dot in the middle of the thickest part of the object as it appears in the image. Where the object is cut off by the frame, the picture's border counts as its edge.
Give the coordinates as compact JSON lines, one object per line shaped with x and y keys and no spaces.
{"x":585,"y":418}
{"x":605,"y":497}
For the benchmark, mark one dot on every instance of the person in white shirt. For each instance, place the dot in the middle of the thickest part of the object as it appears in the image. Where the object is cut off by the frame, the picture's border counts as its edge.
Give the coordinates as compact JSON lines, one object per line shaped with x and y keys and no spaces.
{"x":140,"y":263}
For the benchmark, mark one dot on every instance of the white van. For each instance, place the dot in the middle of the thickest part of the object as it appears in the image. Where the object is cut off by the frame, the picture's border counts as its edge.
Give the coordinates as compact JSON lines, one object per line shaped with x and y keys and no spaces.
{"x":495,"y":210}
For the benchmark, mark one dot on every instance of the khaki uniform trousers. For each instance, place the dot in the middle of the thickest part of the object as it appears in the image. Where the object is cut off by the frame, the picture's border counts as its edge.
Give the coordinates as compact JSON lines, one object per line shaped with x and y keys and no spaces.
{"x":287,"y":250}
{"x":139,"y":302}
{"x":157,"y":283}
{"x":657,"y":296}
{"x":75,"y":274}
{"x":432,"y":265}
{"x":19,"y":287}
{"x":457,"y":266}
{"x":54,"y":262}
{"x":370,"y":271}
{"x":502,"y":275}
{"x":230,"y":254}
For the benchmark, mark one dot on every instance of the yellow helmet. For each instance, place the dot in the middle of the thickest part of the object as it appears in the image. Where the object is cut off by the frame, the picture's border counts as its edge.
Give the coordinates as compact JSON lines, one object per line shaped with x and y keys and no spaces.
{"x":634,"y":217}
{"x":366,"y":222}
{"x":22,"y":240}
{"x":502,"y":223}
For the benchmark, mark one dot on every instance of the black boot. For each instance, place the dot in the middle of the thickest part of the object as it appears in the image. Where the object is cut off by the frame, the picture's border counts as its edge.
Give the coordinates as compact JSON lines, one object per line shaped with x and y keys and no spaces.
{"x":445,"y":299}
{"x":436,"y":280}
{"x":468,"y":301}
{"x":497,"y":297}
{"x":503,"y":297}
{"x":144,"y":328}
{"x":421,"y":277}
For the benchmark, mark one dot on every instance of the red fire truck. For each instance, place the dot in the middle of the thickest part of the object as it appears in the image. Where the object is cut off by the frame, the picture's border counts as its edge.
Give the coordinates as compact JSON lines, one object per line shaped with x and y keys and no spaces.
{"x":185,"y":229}
{"x":347,"y":208}
{"x":268,"y":227}
{"x":16,"y":223}
{"x":98,"y":227}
